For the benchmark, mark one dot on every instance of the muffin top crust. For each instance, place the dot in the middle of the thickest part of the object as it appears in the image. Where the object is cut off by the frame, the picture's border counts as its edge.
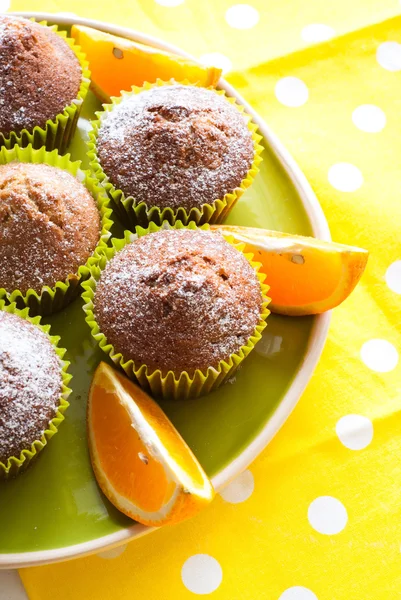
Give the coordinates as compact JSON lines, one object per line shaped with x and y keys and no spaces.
{"x":178,"y":300}
{"x":175,"y":146}
{"x":30,"y":384}
{"x":49,"y":226}
{"x":39,"y":74}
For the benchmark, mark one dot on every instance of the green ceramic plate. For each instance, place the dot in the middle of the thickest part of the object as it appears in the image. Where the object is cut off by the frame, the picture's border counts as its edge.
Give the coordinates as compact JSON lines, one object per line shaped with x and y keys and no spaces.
{"x":55,"y":510}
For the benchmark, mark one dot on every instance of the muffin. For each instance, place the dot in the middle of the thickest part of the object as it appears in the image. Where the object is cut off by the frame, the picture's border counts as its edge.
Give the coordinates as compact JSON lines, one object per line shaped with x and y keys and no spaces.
{"x":40,"y":76}
{"x":49,"y":226}
{"x":31,"y":390}
{"x":174,"y":148}
{"x":179,"y":302}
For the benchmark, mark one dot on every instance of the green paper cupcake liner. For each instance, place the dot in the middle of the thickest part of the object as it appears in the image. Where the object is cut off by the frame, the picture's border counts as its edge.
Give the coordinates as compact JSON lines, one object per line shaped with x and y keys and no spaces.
{"x":56,"y":133}
{"x":17,"y":464}
{"x":133,"y":214}
{"x":170,"y":385}
{"x":51,"y":300}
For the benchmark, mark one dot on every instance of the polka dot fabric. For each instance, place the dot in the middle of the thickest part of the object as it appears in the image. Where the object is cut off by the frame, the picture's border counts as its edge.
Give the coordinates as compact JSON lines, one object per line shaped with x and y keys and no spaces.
{"x":317,"y":515}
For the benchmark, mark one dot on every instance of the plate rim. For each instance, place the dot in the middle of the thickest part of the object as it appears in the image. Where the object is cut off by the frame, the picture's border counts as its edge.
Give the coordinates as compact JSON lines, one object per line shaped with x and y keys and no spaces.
{"x":314,"y":349}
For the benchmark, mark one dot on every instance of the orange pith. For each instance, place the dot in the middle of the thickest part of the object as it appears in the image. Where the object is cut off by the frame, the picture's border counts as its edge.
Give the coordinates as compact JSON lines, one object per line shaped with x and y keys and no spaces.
{"x":117,"y":63}
{"x":141,"y":462}
{"x":305,"y":275}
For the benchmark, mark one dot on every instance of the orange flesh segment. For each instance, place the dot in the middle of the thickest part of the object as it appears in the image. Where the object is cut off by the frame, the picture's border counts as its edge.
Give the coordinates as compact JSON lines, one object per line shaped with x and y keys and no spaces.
{"x":166,"y":432}
{"x":305,"y":275}
{"x":120,"y":450}
{"x":117,"y":63}
{"x":302,"y":280}
{"x":141,"y":462}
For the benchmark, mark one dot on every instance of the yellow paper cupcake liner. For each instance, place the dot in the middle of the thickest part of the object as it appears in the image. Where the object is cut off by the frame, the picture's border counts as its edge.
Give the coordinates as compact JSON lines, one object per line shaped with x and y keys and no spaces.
{"x":17,"y":464}
{"x":53,"y":299}
{"x":171,"y":385}
{"x":133,"y":214}
{"x":56,"y":133}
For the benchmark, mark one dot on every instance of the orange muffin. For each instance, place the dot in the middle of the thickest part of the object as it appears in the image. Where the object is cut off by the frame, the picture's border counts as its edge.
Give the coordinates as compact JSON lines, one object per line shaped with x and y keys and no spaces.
{"x":39,"y":74}
{"x":178,"y":300}
{"x":30,"y":384}
{"x":49,"y":226}
{"x":175,"y":146}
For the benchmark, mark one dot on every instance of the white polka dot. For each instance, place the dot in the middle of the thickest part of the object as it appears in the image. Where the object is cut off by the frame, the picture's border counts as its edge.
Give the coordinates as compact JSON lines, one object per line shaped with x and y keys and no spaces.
{"x":113,"y":552}
{"x":201,"y":574}
{"x":242,"y":16}
{"x":355,"y":431}
{"x":240,"y":489}
{"x":388,"y":56}
{"x":169,"y":2}
{"x":369,"y":118}
{"x":291,"y":91}
{"x":216,"y":59}
{"x":4,"y":5}
{"x":393,"y":277}
{"x":317,"y":32}
{"x":379,"y":355}
{"x":345,"y":177}
{"x":327,"y":515}
{"x":298,"y":592}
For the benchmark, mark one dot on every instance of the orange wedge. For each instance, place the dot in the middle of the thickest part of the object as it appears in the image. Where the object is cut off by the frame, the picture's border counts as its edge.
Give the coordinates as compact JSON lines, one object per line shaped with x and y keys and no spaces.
{"x":117,"y":63}
{"x":306,"y":276}
{"x":141,"y":462}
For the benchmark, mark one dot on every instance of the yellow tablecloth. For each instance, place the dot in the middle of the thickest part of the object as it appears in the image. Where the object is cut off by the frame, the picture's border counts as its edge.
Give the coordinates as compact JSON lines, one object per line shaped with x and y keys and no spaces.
{"x":318,"y":514}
